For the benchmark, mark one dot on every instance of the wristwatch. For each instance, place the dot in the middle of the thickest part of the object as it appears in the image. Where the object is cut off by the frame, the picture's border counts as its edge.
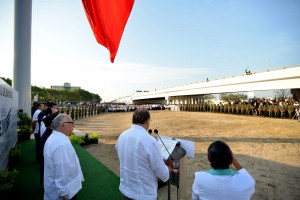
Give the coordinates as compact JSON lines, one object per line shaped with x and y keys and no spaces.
{"x":64,"y":197}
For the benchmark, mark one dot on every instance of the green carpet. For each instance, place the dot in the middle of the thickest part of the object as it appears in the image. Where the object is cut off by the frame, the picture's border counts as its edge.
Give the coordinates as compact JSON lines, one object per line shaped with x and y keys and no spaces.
{"x":100,"y":182}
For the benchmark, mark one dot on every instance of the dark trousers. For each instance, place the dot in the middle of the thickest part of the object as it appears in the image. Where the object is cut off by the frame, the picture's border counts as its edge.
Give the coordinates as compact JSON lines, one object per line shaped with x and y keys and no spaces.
{"x":125,"y":198}
{"x":37,"y":138}
{"x":74,"y":197}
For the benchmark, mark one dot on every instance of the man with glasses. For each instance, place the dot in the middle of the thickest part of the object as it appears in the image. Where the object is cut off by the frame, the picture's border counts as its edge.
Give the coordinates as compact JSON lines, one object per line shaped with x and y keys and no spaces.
{"x":62,"y":172}
{"x":47,"y":121}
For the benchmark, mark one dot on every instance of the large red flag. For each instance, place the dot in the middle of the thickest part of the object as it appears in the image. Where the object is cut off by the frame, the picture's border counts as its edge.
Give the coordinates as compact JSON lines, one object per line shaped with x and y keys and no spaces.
{"x":108,"y":19}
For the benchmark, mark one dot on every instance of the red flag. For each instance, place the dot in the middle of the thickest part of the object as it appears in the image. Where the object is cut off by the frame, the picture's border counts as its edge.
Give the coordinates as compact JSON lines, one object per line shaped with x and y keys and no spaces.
{"x":108,"y":19}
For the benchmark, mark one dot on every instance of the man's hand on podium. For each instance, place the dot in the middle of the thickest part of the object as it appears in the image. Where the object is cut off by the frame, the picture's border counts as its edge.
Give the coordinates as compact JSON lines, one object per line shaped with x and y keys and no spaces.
{"x":170,"y":165}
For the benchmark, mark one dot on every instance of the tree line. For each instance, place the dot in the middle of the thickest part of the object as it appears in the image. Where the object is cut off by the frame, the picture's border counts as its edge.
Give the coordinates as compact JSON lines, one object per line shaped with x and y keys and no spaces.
{"x":45,"y":94}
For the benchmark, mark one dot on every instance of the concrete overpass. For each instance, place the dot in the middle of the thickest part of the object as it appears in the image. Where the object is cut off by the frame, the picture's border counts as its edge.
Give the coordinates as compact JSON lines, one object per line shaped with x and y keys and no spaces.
{"x":281,"y":78}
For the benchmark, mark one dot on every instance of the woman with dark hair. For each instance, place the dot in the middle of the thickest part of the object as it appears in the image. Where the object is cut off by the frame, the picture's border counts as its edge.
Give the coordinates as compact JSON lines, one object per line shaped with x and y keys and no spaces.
{"x":221,"y":182}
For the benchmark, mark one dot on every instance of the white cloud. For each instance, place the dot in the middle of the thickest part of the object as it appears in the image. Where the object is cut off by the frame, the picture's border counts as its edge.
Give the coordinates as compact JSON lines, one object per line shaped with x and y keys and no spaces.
{"x":109,"y":80}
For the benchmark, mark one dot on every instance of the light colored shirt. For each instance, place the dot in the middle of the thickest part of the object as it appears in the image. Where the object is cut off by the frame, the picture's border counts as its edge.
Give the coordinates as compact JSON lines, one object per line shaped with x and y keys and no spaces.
{"x":43,"y":128}
{"x":62,"y":171}
{"x":141,"y":164}
{"x":35,"y":118}
{"x":207,"y":186}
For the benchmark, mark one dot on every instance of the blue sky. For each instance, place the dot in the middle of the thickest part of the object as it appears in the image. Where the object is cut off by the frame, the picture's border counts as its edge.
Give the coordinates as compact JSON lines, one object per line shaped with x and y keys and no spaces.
{"x":165,"y":43}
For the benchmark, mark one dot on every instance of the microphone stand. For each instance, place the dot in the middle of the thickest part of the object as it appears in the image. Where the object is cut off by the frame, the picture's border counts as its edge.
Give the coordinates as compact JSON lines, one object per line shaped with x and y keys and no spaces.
{"x":156,"y":132}
{"x":175,"y":171}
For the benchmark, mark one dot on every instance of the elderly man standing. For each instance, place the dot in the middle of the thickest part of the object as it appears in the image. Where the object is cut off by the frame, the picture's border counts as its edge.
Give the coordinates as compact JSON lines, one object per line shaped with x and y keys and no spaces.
{"x":62,"y":172}
{"x":140,"y":160}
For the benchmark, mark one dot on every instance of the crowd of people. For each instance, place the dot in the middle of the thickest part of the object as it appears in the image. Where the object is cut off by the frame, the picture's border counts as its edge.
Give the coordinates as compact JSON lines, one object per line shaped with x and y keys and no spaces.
{"x":131,"y":107}
{"x":141,"y":163}
{"x":60,"y":171}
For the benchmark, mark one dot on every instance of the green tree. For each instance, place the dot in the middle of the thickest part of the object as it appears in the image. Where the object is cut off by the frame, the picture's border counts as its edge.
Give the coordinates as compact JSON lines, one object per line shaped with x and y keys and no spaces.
{"x":45,"y":94}
{"x":7,"y":80}
{"x":208,"y":97}
{"x":282,"y":94}
{"x":228,"y":97}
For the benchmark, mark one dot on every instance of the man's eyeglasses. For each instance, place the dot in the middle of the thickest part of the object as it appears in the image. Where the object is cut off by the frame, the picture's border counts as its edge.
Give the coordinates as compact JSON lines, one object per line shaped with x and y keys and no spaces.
{"x":69,"y":123}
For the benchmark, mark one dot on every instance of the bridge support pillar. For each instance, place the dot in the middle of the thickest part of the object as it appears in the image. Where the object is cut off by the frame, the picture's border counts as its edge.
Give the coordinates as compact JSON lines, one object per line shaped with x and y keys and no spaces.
{"x":296,"y":94}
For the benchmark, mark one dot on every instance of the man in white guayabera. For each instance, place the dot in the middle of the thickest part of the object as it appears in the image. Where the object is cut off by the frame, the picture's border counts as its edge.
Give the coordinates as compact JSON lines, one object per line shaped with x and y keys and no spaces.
{"x":222,"y":182}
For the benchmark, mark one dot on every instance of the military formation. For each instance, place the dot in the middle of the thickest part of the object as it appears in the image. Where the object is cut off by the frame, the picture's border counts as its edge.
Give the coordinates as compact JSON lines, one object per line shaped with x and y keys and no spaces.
{"x":284,"y":110}
{"x":261,"y":108}
{"x":80,"y":112}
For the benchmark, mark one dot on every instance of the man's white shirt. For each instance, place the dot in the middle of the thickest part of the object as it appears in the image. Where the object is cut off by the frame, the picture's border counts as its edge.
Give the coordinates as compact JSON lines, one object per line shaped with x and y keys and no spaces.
{"x":35,"y":118}
{"x":140,"y":164}
{"x":62,"y":171}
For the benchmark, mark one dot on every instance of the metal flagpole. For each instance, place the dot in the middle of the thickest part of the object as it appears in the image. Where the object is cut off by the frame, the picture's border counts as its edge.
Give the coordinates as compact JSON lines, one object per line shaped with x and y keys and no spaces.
{"x":22,"y":54}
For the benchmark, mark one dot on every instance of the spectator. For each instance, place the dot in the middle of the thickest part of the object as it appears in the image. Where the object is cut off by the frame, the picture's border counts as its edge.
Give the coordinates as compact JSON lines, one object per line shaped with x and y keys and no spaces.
{"x":47,"y":121}
{"x":221,"y":182}
{"x":52,"y":108}
{"x":62,"y":172}
{"x":35,"y":128}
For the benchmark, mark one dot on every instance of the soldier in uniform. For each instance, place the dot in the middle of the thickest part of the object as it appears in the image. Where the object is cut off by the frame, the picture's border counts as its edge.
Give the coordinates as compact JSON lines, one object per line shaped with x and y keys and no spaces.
{"x":291,"y":109}
{"x":271,"y":111}
{"x":283,"y":111}
{"x":298,"y":113}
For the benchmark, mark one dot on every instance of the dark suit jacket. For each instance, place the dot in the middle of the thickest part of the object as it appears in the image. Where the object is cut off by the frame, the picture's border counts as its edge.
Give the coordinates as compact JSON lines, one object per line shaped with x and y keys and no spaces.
{"x":44,"y":138}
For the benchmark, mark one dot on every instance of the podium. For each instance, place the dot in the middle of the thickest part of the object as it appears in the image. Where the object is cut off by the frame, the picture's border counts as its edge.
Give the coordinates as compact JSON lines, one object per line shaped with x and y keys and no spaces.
{"x":177,"y":150}
{"x":178,"y":179}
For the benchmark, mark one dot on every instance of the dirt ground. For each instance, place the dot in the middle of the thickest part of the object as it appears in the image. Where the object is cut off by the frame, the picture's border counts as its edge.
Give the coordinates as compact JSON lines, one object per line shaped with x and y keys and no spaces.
{"x":268,"y":148}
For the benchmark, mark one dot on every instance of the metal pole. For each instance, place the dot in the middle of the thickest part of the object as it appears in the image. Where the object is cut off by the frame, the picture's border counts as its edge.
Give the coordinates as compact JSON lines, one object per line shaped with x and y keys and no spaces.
{"x":22,"y":54}
{"x":169,"y":193}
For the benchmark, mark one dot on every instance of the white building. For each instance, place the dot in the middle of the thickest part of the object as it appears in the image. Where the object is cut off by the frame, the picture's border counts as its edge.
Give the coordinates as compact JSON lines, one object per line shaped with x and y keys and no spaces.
{"x":66,"y":86}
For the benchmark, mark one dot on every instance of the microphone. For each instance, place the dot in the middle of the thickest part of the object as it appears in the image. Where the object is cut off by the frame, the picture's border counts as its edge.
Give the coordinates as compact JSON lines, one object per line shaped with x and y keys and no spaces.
{"x":156,"y":132}
{"x":150,"y":131}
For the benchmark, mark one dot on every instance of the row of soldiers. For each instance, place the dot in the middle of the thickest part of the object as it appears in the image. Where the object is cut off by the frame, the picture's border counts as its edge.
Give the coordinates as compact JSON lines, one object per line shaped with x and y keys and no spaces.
{"x":288,"y":111}
{"x":80,"y":112}
{"x":273,"y":111}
